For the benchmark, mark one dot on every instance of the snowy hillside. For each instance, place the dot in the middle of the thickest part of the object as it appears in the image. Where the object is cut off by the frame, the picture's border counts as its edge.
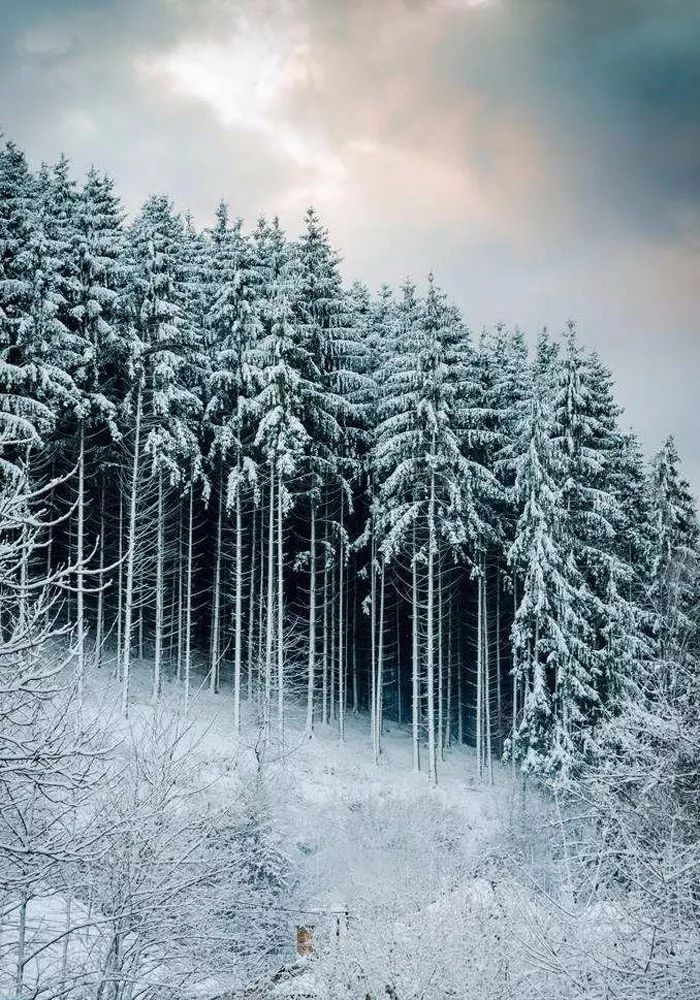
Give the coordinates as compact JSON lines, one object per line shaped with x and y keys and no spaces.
{"x":220,"y":853}
{"x":349,"y":848}
{"x":352,"y":830}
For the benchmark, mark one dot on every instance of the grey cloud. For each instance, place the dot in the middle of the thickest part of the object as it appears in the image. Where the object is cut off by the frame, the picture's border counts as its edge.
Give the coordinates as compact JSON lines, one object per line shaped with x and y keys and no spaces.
{"x":625,"y":77}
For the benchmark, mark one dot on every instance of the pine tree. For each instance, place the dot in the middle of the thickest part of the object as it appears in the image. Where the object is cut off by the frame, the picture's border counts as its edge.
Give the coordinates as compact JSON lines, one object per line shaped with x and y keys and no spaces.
{"x":675,"y":538}
{"x":61,"y":201}
{"x":322,"y":325}
{"x":167,"y":363}
{"x":233,"y":325}
{"x":26,"y":419}
{"x":426,"y":485}
{"x":549,"y":635}
{"x":279,"y":409}
{"x":589,"y":442}
{"x":40,"y":351}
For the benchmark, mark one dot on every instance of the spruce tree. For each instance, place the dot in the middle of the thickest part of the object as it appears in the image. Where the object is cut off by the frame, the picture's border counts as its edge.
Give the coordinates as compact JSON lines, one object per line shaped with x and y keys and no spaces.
{"x":425,"y":485}
{"x":167,"y":363}
{"x":26,"y":419}
{"x":549,"y":632}
{"x":675,"y":540}
{"x":233,"y":327}
{"x":287,"y":384}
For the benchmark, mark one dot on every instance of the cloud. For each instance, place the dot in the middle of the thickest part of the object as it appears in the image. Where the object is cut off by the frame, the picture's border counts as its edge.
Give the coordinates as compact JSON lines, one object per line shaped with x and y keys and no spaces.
{"x":244,"y":80}
{"x":241,"y":78}
{"x":78,"y":125}
{"x":464,"y":4}
{"x":46,"y":40}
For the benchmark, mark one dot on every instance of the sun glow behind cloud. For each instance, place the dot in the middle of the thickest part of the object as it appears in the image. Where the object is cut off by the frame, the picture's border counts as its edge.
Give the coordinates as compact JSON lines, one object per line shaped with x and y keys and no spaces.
{"x":348,"y":133}
{"x":245,"y":80}
{"x":241,"y":78}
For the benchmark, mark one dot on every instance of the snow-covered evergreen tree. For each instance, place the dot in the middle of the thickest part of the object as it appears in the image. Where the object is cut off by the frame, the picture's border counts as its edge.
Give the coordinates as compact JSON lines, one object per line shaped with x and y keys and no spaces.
{"x":675,"y":538}
{"x":101,"y":279}
{"x":40,"y":350}
{"x":25,"y":418}
{"x":425,"y":492}
{"x":550,"y":655}
{"x":167,"y":361}
{"x":590,"y":447}
{"x":233,"y":326}
{"x":280,"y":408}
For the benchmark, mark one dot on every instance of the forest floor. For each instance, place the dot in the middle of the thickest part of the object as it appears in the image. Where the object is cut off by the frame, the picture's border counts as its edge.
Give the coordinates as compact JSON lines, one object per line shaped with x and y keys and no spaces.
{"x":374,"y":860}
{"x":459,"y":890}
{"x":359,"y":836}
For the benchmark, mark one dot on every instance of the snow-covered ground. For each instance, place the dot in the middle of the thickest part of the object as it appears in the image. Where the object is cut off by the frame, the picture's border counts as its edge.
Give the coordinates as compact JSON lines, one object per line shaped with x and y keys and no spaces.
{"x":214,"y":851}
{"x":354,"y":829}
{"x":374,"y":851}
{"x":352,"y":849}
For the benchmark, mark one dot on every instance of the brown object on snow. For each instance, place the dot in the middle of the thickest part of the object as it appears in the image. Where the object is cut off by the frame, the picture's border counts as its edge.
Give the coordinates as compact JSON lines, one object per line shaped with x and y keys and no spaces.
{"x":305,"y":940}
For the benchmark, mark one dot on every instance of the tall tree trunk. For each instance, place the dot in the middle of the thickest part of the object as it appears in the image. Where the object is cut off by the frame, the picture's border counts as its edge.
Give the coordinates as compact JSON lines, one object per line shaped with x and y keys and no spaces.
{"x":267,"y":703}
{"x":324,"y":679}
{"x":499,"y":693}
{"x":261,"y":591}
{"x":447,"y":737}
{"x":172,"y":629}
{"x":215,"y":638}
{"x":120,"y":589}
{"x":180,"y":593}
{"x":480,"y":678}
{"x":24,"y":576}
{"x":487,"y":678}
{"x":188,"y":597}
{"x":430,"y":638}
{"x":80,"y":560}
{"x":131,"y":553}
{"x":280,"y":616}
{"x":100,"y":619}
{"x":311,"y":658}
{"x":23,"y":601}
{"x":399,"y":706}
{"x":49,"y":549}
{"x":332,"y":651}
{"x":373,"y":642}
{"x":341,"y":630}
{"x":160,"y":561}
{"x":355,"y":688}
{"x":142,"y":610}
{"x":440,"y":668}
{"x":379,"y":684}
{"x":415,"y":665}
{"x":514,"y":722}
{"x":238,"y":608}
{"x":251,"y":600}
{"x":460,"y":704}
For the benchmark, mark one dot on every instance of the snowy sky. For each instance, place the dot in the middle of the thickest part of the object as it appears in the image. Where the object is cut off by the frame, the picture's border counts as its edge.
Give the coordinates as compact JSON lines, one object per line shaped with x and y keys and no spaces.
{"x":542,"y":156}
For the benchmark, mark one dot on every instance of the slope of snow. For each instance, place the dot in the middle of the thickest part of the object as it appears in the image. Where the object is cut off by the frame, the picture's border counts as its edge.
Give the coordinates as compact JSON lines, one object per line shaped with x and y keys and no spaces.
{"x":361,"y":837}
